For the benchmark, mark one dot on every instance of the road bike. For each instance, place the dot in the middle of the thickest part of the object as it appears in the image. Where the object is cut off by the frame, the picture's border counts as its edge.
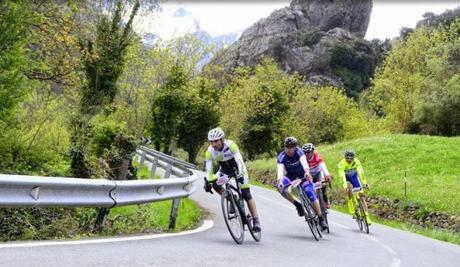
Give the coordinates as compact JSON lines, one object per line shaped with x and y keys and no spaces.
{"x":310,"y":216}
{"x":360,"y":215}
{"x":234,"y":210}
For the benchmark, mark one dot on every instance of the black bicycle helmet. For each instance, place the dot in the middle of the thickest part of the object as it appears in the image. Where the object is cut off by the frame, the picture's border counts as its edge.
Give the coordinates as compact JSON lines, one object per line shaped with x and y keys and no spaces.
{"x":349,"y":154}
{"x":290,"y":141}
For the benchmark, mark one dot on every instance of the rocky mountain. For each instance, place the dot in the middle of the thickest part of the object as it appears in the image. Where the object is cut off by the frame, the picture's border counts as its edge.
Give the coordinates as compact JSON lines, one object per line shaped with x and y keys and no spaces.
{"x":303,"y":38}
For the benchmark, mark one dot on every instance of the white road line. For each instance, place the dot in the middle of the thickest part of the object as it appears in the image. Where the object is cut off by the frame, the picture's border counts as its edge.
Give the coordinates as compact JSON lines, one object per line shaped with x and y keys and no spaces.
{"x":207,"y":224}
{"x":396,"y":262}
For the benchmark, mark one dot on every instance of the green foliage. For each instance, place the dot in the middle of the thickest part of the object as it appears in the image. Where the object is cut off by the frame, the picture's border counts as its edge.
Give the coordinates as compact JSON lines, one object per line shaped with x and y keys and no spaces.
{"x":444,"y":19}
{"x":325,"y":114}
{"x":167,"y":106}
{"x":420,"y":80}
{"x":279,"y":51}
{"x":263,"y":124}
{"x":309,"y":38}
{"x":354,"y":64}
{"x":199,"y":115}
{"x":104,"y":59}
{"x":42,"y":224}
{"x":257,"y":104}
{"x":152,"y":217}
{"x":14,"y":24}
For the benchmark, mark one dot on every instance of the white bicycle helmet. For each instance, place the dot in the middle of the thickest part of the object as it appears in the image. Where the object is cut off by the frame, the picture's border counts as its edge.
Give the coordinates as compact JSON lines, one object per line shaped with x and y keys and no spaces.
{"x":309,"y":147}
{"x":215,"y":134}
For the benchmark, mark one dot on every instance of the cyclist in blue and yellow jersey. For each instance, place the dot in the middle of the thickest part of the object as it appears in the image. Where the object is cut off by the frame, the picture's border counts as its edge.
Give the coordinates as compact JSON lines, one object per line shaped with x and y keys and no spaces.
{"x":292,"y":164}
{"x":230,"y":162}
{"x":352,"y":174}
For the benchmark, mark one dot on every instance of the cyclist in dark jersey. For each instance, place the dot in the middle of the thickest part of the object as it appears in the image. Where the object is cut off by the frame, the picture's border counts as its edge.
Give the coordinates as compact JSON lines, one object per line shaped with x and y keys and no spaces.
{"x":292,"y":164}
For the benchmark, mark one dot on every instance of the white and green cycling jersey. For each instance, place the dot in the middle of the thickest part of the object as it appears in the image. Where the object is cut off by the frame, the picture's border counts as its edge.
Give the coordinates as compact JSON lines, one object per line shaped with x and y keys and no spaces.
{"x":228,"y":160}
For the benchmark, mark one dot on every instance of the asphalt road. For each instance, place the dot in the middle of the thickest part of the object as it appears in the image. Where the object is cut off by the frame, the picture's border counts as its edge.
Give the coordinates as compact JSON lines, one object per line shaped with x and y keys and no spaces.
{"x":286,"y":241}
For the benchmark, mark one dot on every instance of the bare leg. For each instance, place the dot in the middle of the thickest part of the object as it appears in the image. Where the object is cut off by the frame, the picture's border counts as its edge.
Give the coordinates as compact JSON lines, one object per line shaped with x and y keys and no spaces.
{"x":253,"y":208}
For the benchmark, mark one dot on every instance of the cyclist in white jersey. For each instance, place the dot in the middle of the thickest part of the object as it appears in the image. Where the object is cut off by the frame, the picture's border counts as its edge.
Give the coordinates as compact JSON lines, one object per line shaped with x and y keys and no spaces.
{"x":230,"y":162}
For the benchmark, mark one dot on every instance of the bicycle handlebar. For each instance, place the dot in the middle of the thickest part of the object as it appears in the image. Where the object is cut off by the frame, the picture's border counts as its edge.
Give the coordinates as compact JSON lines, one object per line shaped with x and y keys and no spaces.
{"x":357,"y":189}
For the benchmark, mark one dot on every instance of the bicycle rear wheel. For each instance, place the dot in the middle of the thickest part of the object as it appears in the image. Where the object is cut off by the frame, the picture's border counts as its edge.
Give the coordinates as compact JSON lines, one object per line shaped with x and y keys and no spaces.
{"x":256,"y":235}
{"x":322,"y":204}
{"x":233,"y":219}
{"x":363,"y":219}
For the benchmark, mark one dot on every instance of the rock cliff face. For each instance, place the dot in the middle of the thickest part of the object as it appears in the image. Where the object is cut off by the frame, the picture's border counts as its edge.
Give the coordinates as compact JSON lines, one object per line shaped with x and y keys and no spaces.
{"x":300,"y":37}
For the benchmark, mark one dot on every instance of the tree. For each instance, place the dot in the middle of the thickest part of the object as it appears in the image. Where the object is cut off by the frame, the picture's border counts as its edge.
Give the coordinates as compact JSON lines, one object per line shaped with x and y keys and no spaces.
{"x":104,"y":59}
{"x":200,"y":114}
{"x":415,"y":90}
{"x":254,"y":104}
{"x":326,"y":115}
{"x":167,"y":107}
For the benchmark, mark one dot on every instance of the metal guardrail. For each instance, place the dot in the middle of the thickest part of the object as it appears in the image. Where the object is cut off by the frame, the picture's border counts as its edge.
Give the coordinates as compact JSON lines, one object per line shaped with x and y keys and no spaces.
{"x":168,"y":158}
{"x":35,"y":191}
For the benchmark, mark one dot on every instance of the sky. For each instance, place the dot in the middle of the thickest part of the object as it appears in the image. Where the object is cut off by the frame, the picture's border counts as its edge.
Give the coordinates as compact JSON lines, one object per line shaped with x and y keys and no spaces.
{"x":217,"y":18}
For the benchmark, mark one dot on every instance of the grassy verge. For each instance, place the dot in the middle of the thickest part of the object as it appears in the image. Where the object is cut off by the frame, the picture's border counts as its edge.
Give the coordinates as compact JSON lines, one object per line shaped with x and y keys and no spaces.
{"x":152,"y":218}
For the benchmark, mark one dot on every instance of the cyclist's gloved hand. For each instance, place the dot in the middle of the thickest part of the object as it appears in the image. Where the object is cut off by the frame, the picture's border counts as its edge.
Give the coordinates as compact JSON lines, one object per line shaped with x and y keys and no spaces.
{"x":207,"y":186}
{"x":240,"y":178}
{"x":366,"y":186}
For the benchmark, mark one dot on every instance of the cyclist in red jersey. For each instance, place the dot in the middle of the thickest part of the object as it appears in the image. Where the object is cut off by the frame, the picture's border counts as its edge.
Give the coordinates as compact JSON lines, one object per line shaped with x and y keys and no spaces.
{"x":318,"y":169}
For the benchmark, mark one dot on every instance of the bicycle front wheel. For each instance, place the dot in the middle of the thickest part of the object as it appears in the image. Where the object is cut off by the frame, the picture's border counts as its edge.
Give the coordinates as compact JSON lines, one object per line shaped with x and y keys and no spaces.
{"x":363,"y":218}
{"x":310,"y":217}
{"x":232,"y":217}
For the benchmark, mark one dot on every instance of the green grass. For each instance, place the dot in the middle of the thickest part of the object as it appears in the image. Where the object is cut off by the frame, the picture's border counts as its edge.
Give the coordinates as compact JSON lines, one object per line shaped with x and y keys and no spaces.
{"x":430,"y":164}
{"x":153,"y":217}
{"x":143,"y":172}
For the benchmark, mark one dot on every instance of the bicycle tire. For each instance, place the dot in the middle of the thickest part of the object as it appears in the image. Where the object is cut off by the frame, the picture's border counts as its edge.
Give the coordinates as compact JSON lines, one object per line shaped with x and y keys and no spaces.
{"x":364,"y":220}
{"x":255,"y":235}
{"x":323,"y":208}
{"x":310,"y":216}
{"x":248,"y":221}
{"x":357,"y":214}
{"x":235,"y":223}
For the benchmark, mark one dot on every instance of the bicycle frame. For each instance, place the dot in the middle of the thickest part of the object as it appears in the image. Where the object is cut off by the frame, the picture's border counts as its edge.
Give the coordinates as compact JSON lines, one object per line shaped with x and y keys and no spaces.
{"x":360,"y":215}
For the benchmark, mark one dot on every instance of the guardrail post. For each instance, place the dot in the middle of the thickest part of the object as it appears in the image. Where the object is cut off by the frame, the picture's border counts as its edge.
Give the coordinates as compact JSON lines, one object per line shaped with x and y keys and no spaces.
{"x":168,"y":171}
{"x":154,"y":168}
{"x":175,"y":202}
{"x":141,"y":161}
{"x":173,"y":215}
{"x":101,"y":218}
